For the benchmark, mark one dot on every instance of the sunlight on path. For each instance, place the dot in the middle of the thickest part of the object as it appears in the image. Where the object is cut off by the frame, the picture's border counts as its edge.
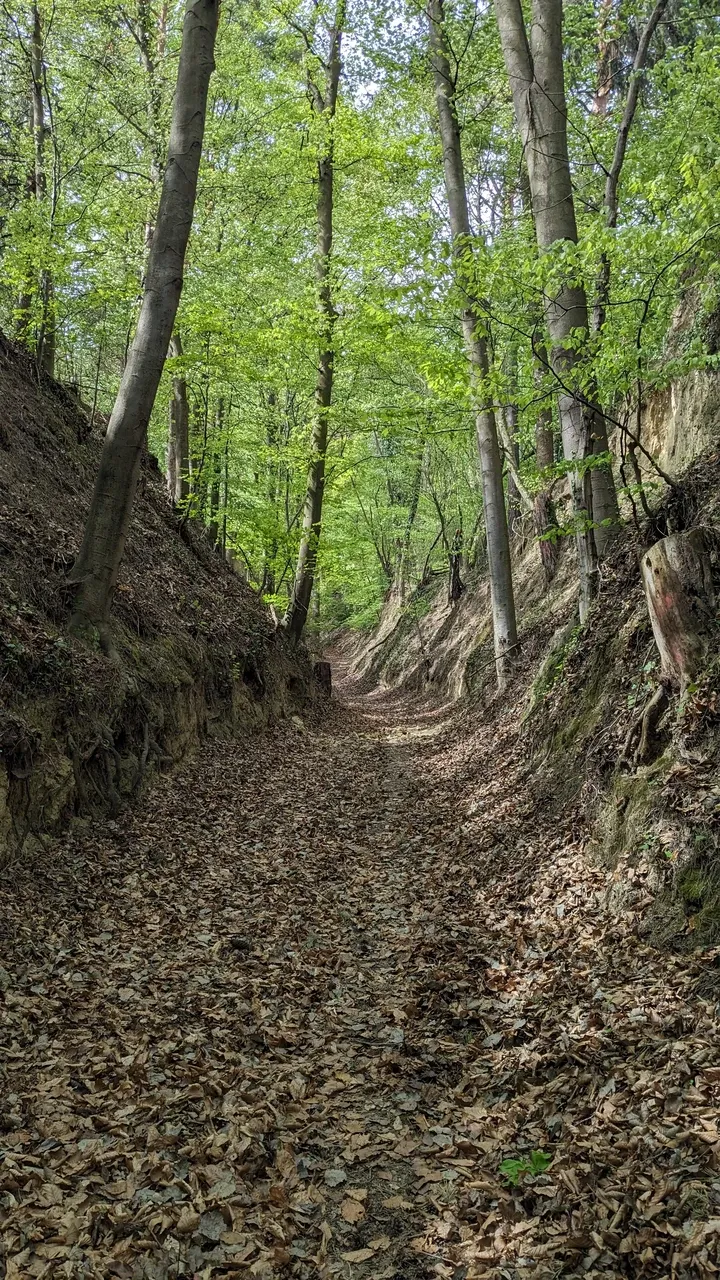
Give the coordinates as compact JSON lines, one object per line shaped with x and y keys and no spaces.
{"x":289,"y":1018}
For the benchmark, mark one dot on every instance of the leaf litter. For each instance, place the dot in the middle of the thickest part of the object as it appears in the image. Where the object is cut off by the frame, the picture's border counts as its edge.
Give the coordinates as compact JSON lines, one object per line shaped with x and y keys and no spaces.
{"x":294,"y":1015}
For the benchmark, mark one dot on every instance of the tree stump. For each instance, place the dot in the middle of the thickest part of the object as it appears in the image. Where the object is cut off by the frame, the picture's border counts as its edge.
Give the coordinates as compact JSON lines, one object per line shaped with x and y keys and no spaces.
{"x":677,"y":576}
{"x":322,"y":672}
{"x":456,"y":585}
{"x":545,"y":520}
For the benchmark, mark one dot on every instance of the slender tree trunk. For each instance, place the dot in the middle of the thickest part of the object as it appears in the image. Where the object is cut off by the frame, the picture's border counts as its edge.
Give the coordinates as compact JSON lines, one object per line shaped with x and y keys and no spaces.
{"x":507,"y":418}
{"x":612,"y":182}
{"x":498,"y":542}
{"x":151,"y":38}
{"x":98,"y":563}
{"x":545,"y":518}
{"x":507,"y":424}
{"x":46,"y":338}
{"x":152,"y":46}
{"x":273,"y":493}
{"x":402,"y":572}
{"x":535,"y":71}
{"x":226,"y":494}
{"x":544,"y":438}
{"x":606,"y":57}
{"x":178,"y":454}
{"x":513,"y":492}
{"x":324,"y":106}
{"x":217,"y":452}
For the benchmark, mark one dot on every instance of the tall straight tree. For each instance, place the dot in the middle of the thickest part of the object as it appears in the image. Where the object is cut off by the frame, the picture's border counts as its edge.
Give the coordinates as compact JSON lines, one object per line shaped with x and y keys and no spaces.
{"x":535,"y":70}
{"x":37,"y":189}
{"x":97,"y":565}
{"x":612,"y":180}
{"x":178,"y":450}
{"x":323,"y":98}
{"x":498,"y":543}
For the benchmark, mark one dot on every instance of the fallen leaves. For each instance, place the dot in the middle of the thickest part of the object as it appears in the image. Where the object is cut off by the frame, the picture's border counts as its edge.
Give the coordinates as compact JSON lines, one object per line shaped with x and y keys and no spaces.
{"x":263,"y":1029}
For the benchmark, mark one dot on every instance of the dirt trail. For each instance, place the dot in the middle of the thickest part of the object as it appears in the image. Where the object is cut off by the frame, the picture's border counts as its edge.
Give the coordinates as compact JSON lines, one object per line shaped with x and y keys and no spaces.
{"x":289,"y":1018}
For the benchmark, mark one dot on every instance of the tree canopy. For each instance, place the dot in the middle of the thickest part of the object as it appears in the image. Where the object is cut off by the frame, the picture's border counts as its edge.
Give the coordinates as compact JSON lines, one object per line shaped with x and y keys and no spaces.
{"x":87,"y":92}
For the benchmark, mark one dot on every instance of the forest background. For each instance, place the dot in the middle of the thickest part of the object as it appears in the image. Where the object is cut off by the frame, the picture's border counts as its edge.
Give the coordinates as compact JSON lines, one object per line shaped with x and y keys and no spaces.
{"x":87,"y":95}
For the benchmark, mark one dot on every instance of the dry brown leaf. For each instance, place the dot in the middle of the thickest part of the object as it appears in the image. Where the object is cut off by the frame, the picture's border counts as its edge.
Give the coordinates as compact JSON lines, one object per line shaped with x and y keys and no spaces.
{"x":188,"y":1221}
{"x":352,"y":1211}
{"x":397,"y":1202}
{"x":358,"y":1255}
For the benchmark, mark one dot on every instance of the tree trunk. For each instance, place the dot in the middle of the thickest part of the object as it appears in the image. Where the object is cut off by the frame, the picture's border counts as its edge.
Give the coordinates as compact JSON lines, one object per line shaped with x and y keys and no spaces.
{"x":46,"y":337}
{"x":513,"y":492}
{"x":498,"y":542}
{"x":677,"y":576}
{"x":456,"y":586}
{"x":545,"y":521}
{"x":270,"y":548}
{"x":322,"y":672}
{"x":216,"y":475}
{"x":544,"y":516}
{"x":535,"y":71}
{"x":324,"y":107}
{"x":402,"y":572}
{"x":178,"y":454}
{"x":612,"y":182}
{"x":146,"y":38}
{"x":507,"y":421}
{"x":544,"y":438}
{"x":98,"y":563}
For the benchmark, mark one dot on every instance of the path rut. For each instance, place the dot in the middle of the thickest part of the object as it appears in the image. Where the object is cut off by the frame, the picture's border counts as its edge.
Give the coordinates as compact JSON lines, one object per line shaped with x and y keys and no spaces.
{"x":290,"y":1016}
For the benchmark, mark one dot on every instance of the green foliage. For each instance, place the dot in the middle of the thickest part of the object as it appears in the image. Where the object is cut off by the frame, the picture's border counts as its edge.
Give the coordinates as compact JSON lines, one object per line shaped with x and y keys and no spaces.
{"x":553,"y":668}
{"x":516,"y":1168}
{"x":402,"y":465}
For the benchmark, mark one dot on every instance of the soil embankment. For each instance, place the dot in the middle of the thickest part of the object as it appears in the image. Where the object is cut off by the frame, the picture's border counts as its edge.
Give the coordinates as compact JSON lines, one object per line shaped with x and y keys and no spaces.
{"x":199,"y":654}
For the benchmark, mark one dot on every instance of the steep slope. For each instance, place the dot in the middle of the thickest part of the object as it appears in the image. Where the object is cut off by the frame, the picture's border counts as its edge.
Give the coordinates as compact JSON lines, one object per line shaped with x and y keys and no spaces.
{"x":199,"y":654}
{"x":580,"y":691}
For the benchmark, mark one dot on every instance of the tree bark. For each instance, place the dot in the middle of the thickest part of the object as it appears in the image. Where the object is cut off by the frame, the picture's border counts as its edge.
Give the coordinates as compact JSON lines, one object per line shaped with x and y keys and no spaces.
{"x":46,"y":336}
{"x":498,"y":542}
{"x":535,"y":71}
{"x":270,"y":548}
{"x":677,"y":577}
{"x":324,"y":106}
{"x":545,"y":518}
{"x":217,"y":451}
{"x":178,"y":453}
{"x":146,"y":38}
{"x":513,"y":464}
{"x":612,"y":182}
{"x":507,"y":422}
{"x":322,"y":672}
{"x":402,"y":571}
{"x":98,"y":563}
{"x":544,"y":438}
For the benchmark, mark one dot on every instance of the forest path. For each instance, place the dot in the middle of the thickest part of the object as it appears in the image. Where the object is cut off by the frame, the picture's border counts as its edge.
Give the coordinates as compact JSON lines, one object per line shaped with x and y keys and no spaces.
{"x":289,"y":1017}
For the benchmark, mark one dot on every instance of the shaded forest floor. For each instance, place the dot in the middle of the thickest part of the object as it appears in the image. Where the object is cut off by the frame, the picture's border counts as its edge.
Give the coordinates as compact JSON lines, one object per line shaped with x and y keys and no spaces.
{"x":290,"y":1017}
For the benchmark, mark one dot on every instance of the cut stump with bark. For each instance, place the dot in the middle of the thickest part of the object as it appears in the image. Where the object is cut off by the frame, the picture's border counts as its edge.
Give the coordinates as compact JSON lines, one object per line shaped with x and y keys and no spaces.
{"x":322,"y":672}
{"x":677,"y":574}
{"x":678,"y":581}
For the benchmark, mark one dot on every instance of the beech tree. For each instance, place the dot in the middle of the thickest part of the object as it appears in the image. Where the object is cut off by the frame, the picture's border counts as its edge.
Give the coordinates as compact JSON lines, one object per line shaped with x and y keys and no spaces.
{"x":498,"y":543}
{"x":535,"y":69}
{"x":97,"y":565}
{"x":323,"y":96}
